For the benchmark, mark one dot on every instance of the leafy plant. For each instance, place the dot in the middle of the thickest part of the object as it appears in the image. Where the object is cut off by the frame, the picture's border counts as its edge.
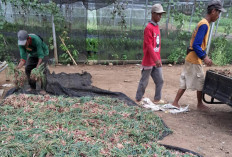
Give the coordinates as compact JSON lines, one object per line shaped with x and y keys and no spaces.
{"x":18,"y":76}
{"x":92,"y":48}
{"x":118,"y":10}
{"x":124,"y":57}
{"x":51,"y":45}
{"x":219,"y":54}
{"x":92,"y":44}
{"x":65,"y":57}
{"x":4,"y":55}
{"x":228,"y":28}
{"x":180,"y":18}
{"x":37,"y":74}
{"x":199,"y":10}
{"x":179,"y":51}
{"x":115,"y":56}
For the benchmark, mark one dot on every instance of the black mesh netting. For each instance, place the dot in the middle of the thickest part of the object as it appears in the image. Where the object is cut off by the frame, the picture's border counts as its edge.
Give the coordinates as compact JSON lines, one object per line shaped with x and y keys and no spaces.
{"x":89,"y":4}
{"x":79,"y":85}
{"x":74,"y":85}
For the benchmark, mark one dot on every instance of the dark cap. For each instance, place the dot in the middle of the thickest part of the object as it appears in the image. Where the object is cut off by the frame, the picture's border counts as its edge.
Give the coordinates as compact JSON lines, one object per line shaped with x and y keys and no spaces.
{"x":217,"y":4}
{"x":22,"y":37}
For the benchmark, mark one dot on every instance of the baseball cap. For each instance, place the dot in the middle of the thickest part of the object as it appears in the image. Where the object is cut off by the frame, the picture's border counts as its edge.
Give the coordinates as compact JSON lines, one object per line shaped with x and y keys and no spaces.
{"x":217,"y":4}
{"x":157,"y":8}
{"x":22,"y":37}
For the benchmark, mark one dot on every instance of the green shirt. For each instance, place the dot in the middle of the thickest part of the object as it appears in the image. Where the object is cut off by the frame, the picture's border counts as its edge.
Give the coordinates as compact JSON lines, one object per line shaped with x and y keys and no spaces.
{"x":37,"y":48}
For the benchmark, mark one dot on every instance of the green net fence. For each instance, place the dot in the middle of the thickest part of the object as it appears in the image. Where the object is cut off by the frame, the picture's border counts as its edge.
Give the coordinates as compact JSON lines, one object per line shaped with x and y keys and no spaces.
{"x":104,"y":29}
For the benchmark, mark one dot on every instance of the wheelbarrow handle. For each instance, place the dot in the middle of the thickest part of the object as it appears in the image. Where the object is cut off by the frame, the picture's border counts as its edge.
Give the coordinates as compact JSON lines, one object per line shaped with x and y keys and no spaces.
{"x":212,"y":100}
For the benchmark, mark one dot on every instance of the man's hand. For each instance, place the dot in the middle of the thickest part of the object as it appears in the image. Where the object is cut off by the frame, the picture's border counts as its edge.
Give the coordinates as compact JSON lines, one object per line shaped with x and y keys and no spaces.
{"x":207,"y":61}
{"x":39,"y":62}
{"x":158,"y":63}
{"x":20,"y":65}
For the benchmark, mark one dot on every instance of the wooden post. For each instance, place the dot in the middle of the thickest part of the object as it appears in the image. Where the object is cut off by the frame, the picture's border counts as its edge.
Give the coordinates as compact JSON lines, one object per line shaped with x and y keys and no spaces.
{"x":210,"y":37}
{"x":145,"y":14}
{"x":218,"y":21}
{"x":167,"y":22}
{"x":190,"y":23}
{"x":54,"y":40}
{"x":68,"y":51}
{"x":131,"y":10}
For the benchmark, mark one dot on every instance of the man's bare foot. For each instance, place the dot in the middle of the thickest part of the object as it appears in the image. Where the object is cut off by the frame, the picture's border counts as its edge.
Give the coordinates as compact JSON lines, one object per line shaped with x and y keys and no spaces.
{"x":42,"y":92}
{"x":176,"y":104}
{"x":202,"y":107}
{"x":29,"y":89}
{"x":139,"y":102}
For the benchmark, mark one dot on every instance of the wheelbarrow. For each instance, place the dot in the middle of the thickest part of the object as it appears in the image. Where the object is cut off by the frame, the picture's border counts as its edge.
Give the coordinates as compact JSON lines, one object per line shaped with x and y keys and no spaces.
{"x":219,"y":87}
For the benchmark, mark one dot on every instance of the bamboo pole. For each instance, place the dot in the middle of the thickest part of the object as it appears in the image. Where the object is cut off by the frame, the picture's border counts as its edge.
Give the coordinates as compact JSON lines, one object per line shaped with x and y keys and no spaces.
{"x":167,"y":21}
{"x":190,"y":23}
{"x":210,"y":37}
{"x":54,"y":40}
{"x":145,"y":14}
{"x":68,"y":51}
{"x":218,"y":21}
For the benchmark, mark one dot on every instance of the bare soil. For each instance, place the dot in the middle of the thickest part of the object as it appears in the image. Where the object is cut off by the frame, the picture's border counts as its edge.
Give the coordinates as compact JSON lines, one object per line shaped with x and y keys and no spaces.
{"x":207,"y":133}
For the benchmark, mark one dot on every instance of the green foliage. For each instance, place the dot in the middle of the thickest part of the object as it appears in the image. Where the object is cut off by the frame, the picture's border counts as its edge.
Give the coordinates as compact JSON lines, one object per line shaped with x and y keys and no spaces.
{"x":118,"y":10}
{"x":124,"y":57}
{"x":178,"y":53}
{"x":4,"y":54}
{"x":115,"y":56}
{"x":221,"y":51}
{"x":229,"y":12}
{"x":92,"y":48}
{"x":51,"y":44}
{"x":65,"y":57}
{"x":29,"y":6}
{"x":111,"y":41}
{"x":92,"y":44}
{"x":199,"y":10}
{"x":17,"y":76}
{"x":36,"y":8}
{"x":180,"y":18}
{"x":228,"y":28}
{"x":38,"y":73}
{"x":114,"y":48}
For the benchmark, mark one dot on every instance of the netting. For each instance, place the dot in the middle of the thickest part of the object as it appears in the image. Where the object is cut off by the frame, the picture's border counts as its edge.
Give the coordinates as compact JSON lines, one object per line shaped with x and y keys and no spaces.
{"x":72,"y":85}
{"x":105,"y":30}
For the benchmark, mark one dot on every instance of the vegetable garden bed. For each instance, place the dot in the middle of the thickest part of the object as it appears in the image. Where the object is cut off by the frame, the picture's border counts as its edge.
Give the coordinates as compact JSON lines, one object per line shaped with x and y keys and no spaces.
{"x":34,"y":125}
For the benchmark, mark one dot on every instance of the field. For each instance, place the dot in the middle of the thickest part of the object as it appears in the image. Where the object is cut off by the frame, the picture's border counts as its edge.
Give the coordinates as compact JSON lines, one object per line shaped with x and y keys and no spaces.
{"x":207,"y":133}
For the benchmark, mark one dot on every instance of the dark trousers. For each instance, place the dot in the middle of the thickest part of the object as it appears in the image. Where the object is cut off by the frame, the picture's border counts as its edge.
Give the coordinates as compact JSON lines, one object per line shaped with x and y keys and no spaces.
{"x":30,"y":65}
{"x":157,"y":76}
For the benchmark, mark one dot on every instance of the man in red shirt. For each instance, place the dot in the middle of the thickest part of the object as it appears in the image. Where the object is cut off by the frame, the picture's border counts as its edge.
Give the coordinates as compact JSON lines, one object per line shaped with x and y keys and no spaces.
{"x":151,"y":63}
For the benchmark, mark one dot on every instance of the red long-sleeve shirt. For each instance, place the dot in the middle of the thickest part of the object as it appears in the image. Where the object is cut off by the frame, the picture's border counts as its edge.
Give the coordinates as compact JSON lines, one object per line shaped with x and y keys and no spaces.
{"x":151,"y":44}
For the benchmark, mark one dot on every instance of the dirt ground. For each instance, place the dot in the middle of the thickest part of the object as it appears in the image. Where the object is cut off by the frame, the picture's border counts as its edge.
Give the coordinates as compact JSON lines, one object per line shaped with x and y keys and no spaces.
{"x":209,"y":134}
